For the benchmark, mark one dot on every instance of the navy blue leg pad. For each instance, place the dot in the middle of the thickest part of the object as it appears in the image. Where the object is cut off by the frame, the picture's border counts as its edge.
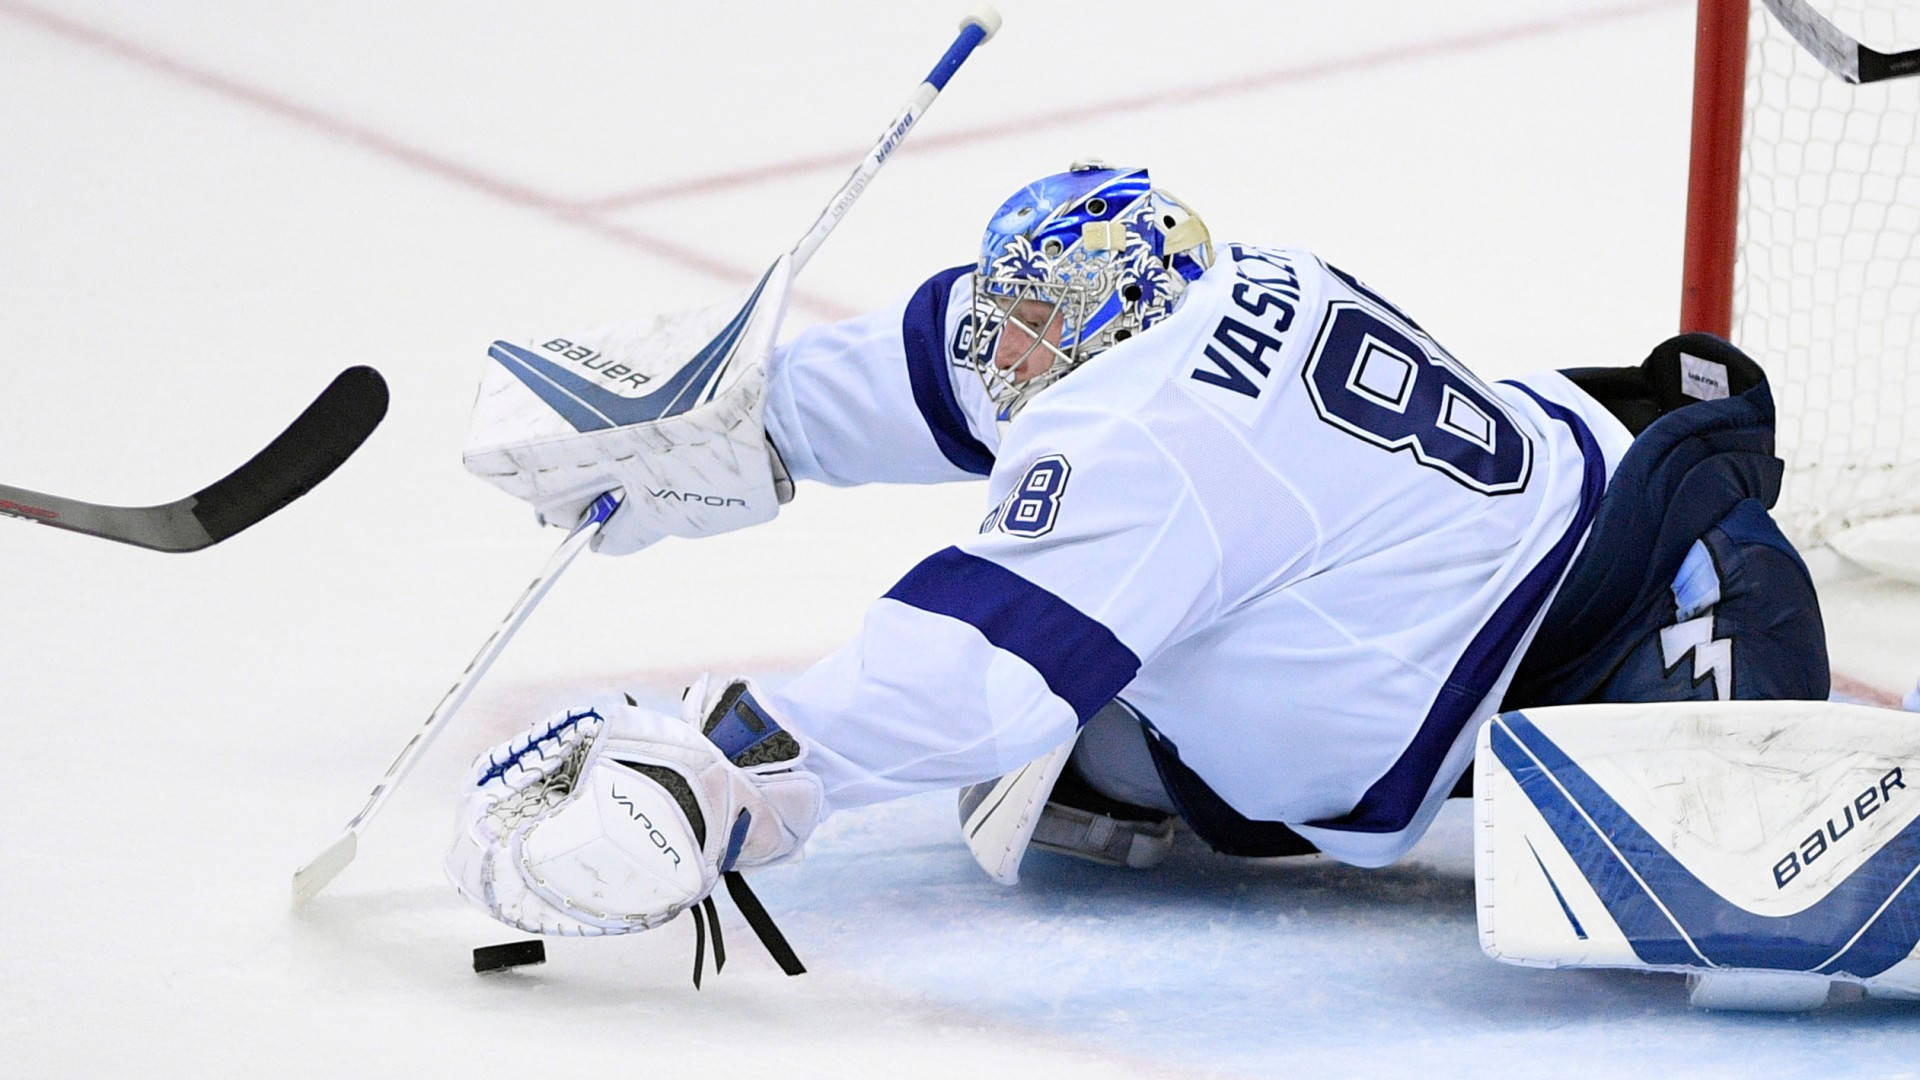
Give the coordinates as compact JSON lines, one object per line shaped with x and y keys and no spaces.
{"x":1761,"y":638}
{"x":1684,"y":521}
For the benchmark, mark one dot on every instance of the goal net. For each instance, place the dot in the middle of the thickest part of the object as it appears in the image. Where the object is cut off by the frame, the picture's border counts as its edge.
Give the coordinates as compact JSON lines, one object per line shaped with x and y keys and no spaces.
{"x":1824,"y":286}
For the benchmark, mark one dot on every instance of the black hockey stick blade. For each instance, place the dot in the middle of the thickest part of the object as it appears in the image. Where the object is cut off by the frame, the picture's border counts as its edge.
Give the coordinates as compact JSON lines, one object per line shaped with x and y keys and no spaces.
{"x":1876,"y":66}
{"x":314,"y":445}
{"x":1837,"y":50}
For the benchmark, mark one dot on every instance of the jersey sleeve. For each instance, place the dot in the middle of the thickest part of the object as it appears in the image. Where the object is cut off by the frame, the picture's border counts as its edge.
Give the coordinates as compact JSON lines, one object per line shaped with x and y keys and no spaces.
{"x":879,"y":398}
{"x":991,"y":652}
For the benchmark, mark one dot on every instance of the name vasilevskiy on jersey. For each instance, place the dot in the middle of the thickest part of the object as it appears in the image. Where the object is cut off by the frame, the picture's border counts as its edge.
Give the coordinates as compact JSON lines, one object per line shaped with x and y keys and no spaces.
{"x":597,"y":362}
{"x":1268,"y":291}
{"x":1865,"y":805}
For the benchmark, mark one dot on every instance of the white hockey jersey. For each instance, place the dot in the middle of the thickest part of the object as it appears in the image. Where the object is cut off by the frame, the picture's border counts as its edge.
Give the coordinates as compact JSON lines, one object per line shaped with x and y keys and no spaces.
{"x":1284,"y":525}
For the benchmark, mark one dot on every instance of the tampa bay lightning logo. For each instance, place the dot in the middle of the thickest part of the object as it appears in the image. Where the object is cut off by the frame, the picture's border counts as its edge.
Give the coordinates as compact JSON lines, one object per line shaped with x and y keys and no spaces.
{"x":1712,"y":655}
{"x":591,"y":407}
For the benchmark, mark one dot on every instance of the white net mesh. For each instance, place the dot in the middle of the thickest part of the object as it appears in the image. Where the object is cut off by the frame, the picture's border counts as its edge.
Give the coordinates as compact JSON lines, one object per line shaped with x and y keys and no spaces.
{"x":1827,"y":287}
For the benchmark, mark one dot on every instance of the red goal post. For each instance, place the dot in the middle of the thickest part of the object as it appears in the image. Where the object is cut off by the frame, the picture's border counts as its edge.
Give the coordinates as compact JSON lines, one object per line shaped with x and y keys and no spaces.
{"x":1713,"y":171}
{"x":1803,"y":248}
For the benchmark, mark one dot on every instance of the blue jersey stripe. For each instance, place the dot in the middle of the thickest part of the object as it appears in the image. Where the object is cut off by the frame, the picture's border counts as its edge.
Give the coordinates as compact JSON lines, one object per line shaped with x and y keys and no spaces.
{"x":924,"y":332}
{"x":1390,"y":804}
{"x":1081,"y":661}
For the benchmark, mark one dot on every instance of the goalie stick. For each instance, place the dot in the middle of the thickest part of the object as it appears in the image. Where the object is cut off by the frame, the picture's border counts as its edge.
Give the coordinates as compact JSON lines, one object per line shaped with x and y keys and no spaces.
{"x":977,"y":27}
{"x":307,"y":452}
{"x":1837,"y":50}
{"x":314,"y":876}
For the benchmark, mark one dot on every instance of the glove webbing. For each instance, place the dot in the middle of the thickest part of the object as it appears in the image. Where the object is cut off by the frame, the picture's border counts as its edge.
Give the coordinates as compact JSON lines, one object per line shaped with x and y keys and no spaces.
{"x":757,"y":919}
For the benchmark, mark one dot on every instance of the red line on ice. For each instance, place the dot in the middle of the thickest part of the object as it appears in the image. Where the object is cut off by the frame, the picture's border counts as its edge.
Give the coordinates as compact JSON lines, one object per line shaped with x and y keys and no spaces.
{"x":1866,"y":693}
{"x":588,"y":215}
{"x":413,"y":157}
{"x":1031,"y":122}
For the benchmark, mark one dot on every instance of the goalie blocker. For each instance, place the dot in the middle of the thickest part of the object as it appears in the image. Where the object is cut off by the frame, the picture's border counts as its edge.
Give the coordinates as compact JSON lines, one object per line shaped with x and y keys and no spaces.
{"x":1767,"y":849}
{"x":669,"y":412}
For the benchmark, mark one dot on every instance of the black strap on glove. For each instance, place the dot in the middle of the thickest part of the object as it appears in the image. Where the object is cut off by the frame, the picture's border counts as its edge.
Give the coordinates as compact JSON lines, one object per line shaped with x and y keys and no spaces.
{"x":757,"y":918}
{"x":762,"y":924}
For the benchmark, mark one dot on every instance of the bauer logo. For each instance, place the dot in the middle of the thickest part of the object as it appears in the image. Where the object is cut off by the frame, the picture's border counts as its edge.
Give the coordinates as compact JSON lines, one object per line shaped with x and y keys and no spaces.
{"x":596,"y":362}
{"x":1831,"y":833}
{"x":893,"y":137}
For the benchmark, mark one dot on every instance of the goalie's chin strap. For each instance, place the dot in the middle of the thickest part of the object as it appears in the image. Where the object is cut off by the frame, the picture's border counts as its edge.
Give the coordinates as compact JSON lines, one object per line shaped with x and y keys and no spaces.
{"x":757,"y":918}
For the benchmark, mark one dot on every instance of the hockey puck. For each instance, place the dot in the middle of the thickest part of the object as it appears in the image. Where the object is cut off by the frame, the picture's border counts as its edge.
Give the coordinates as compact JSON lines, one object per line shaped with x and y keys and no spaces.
{"x":513,"y":954}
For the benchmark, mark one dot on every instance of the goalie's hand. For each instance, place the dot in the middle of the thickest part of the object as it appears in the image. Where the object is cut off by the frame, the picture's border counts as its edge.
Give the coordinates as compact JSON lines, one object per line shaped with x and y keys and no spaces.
{"x":614,"y":818}
{"x":670,"y":413}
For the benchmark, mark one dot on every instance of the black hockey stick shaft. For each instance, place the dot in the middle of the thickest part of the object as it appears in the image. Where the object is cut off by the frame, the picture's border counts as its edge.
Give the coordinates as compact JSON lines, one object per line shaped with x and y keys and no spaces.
{"x":307,"y":452}
{"x":1837,"y":50}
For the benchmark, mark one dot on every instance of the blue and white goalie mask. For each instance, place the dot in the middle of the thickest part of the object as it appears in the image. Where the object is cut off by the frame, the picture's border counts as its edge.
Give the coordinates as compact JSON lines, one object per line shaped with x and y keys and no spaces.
{"x":1071,"y":265}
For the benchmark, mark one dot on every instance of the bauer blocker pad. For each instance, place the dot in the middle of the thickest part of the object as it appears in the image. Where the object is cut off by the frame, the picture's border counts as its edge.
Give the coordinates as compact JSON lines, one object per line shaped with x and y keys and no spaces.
{"x":669,"y":410}
{"x":1766,"y":848}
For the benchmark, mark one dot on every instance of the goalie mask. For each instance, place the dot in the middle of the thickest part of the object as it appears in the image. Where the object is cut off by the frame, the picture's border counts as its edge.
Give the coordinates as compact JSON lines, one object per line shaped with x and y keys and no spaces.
{"x":1073,"y":264}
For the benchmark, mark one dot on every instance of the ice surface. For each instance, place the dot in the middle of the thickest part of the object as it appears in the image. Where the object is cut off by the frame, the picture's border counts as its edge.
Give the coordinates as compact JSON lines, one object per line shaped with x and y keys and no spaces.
{"x":210,"y":208}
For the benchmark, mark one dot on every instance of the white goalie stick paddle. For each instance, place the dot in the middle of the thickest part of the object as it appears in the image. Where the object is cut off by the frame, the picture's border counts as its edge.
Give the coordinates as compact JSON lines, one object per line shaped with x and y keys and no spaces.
{"x":977,"y":27}
{"x":1837,"y":50}
{"x":318,"y":441}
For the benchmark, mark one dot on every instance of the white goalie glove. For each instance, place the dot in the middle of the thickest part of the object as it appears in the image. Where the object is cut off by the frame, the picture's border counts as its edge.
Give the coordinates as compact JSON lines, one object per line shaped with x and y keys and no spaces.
{"x":615,"y":818}
{"x":671,"y":413}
